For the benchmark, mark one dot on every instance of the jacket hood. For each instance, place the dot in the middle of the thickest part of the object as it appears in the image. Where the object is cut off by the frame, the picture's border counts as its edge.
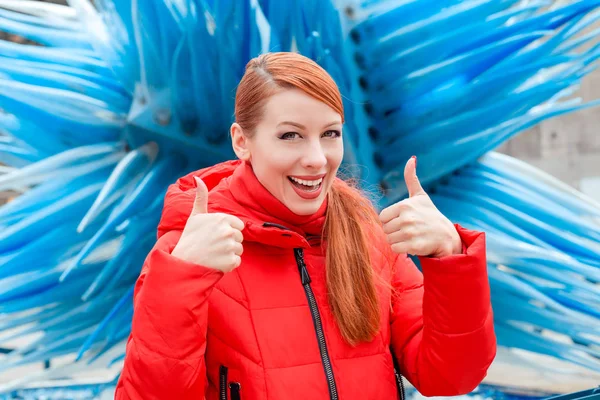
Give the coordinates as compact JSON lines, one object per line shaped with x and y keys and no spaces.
{"x":234,"y":189}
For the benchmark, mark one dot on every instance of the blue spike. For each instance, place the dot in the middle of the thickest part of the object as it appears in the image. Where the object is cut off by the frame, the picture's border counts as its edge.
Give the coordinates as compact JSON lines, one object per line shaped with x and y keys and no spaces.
{"x":441,"y":46}
{"x":123,"y":175}
{"x":453,"y":16}
{"x":61,"y":81}
{"x":511,"y":336}
{"x":118,"y":306}
{"x":473,"y":121}
{"x":66,"y":209}
{"x":106,"y":81}
{"x":49,"y":36}
{"x":56,"y":13}
{"x":53,"y":55}
{"x":70,"y":158}
{"x":465,"y":66}
{"x":132,"y":203}
{"x":386,"y":18}
{"x":572,"y":13}
{"x":543,"y":183}
{"x":133,"y":240}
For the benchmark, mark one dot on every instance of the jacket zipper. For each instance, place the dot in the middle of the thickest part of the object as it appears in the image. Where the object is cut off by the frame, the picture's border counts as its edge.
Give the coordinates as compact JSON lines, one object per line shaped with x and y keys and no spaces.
{"x":314,"y":310}
{"x":234,"y":387}
{"x":399,"y":382}
{"x":223,"y":383}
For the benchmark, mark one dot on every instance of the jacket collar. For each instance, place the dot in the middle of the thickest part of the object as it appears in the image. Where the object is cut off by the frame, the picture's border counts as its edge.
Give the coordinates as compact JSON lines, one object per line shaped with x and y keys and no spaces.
{"x":267,"y":220}
{"x":260,"y":203}
{"x":234,"y":189}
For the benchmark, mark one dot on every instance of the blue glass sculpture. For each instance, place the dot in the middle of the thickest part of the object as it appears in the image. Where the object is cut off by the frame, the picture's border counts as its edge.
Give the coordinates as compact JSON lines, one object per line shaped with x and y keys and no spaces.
{"x":109,"y":103}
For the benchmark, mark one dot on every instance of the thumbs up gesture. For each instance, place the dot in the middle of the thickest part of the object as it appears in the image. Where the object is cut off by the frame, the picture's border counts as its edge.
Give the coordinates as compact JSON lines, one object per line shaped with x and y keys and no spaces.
{"x":213,"y":240}
{"x":415,"y":226}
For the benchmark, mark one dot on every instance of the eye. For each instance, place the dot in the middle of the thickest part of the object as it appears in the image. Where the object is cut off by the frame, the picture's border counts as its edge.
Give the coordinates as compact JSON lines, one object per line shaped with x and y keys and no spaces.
{"x":289,"y":136}
{"x":333,"y":134}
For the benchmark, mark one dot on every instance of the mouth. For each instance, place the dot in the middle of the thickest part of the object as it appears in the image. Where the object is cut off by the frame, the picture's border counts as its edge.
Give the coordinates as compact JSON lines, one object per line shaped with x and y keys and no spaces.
{"x":307,"y":185}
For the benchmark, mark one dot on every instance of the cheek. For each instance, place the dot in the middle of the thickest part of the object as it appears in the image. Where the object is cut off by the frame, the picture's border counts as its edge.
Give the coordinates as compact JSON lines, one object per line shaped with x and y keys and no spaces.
{"x":271,"y":165}
{"x":335,"y":155}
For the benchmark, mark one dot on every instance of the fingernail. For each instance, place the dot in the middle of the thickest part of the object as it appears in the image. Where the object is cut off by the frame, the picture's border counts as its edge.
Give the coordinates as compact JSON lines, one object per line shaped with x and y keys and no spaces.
{"x":415,"y":157}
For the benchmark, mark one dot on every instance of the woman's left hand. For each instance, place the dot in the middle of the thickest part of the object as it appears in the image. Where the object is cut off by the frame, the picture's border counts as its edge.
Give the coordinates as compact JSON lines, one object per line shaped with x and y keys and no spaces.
{"x":415,"y":226}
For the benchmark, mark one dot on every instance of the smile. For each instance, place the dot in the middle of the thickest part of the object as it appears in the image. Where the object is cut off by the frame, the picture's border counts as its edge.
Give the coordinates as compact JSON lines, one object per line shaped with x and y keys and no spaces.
{"x":307,"y":188}
{"x":304,"y":182}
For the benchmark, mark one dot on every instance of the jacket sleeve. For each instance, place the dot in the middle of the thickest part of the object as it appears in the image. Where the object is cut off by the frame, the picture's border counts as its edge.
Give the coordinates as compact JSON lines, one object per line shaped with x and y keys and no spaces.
{"x":165,"y":350}
{"x":442,"y":330}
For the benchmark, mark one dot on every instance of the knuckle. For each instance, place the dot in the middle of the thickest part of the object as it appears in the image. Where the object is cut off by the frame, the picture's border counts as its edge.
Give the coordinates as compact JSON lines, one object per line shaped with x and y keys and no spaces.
{"x":409,"y":231}
{"x":393,"y":238}
{"x":230,"y":246}
{"x":397,"y":248}
{"x":229,"y":231}
{"x":195,"y":219}
{"x":386,"y":229}
{"x":223,"y":229}
{"x":448,"y":248}
{"x":409,"y":218}
{"x":403,"y":205}
{"x":408,"y":205}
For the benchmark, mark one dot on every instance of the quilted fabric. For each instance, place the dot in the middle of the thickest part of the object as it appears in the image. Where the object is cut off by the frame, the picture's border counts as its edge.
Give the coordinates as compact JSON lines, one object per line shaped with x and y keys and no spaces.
{"x":250,"y":333}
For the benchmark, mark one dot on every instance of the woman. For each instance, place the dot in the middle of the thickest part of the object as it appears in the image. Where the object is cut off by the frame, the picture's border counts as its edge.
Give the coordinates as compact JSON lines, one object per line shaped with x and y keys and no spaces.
{"x":273,"y":279}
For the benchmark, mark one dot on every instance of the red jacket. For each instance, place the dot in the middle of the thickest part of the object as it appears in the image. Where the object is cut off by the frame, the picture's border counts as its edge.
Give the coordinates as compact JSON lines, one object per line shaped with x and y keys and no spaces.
{"x":253,"y":333}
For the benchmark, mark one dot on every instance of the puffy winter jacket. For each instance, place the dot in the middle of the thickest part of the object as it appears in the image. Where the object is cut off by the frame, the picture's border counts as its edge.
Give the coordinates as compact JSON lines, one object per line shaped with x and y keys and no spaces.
{"x":265,"y":330}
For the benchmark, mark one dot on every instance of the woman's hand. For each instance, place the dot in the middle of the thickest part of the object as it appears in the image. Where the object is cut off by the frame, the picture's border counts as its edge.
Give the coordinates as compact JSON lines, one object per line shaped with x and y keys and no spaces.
{"x":415,"y":226}
{"x":212,"y":240}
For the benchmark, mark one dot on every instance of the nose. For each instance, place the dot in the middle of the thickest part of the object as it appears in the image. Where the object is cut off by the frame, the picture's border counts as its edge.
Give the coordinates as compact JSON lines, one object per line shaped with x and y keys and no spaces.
{"x":314,"y":156}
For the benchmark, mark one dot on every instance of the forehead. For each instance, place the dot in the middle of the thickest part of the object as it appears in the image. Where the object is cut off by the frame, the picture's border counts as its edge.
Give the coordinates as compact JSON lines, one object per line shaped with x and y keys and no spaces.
{"x":297,"y":106}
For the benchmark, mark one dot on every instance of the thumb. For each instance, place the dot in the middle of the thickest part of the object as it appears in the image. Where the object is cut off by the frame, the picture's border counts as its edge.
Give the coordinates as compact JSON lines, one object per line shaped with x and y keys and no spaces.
{"x":201,"y":200}
{"x":410,"y":176}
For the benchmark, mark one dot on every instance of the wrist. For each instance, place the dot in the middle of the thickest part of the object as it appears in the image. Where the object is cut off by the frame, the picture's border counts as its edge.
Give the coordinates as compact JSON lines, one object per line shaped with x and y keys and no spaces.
{"x":177,"y":252}
{"x":457,"y":246}
{"x":451,"y":247}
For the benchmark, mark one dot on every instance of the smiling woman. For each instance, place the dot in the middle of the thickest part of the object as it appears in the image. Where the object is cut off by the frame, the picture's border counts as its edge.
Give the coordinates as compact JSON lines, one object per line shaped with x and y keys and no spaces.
{"x":273,"y":278}
{"x":295,"y":148}
{"x":289,"y":117}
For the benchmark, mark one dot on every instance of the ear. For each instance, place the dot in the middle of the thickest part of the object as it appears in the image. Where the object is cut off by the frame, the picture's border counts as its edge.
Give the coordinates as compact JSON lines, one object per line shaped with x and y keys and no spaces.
{"x":239,"y":141}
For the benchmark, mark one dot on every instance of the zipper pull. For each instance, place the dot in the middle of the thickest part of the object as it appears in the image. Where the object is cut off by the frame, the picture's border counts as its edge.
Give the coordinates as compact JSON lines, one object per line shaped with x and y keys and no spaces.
{"x":304,"y":274}
{"x":302,"y":266}
{"x":234,"y":390}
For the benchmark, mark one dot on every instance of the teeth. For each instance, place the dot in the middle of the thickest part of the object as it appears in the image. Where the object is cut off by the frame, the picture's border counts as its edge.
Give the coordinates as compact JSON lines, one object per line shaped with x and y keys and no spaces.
{"x":307,"y":183}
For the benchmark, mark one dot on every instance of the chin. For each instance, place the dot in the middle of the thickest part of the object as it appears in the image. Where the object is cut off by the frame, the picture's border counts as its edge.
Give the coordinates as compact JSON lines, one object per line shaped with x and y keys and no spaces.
{"x":305,"y":207}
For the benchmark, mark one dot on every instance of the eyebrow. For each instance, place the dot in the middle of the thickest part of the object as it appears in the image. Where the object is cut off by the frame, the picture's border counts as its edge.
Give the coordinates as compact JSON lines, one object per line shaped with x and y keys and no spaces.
{"x":303,"y":127}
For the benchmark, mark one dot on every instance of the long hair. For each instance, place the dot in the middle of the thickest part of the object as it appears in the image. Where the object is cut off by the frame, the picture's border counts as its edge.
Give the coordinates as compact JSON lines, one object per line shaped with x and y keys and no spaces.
{"x":350,"y":217}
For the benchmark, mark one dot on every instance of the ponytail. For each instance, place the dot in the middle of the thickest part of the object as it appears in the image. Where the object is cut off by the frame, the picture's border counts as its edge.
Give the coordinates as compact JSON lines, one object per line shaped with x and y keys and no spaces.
{"x":350,"y":276}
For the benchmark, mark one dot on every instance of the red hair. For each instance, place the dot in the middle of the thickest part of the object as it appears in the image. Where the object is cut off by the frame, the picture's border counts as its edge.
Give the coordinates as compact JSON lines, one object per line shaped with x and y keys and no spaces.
{"x":350,"y":216}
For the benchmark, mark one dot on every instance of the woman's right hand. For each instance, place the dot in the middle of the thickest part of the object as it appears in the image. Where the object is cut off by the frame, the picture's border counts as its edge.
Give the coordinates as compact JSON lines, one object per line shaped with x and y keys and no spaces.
{"x":212,"y":240}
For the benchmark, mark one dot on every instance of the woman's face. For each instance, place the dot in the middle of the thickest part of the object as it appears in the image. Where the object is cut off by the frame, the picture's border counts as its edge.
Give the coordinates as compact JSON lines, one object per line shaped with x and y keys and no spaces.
{"x":296,"y":149}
